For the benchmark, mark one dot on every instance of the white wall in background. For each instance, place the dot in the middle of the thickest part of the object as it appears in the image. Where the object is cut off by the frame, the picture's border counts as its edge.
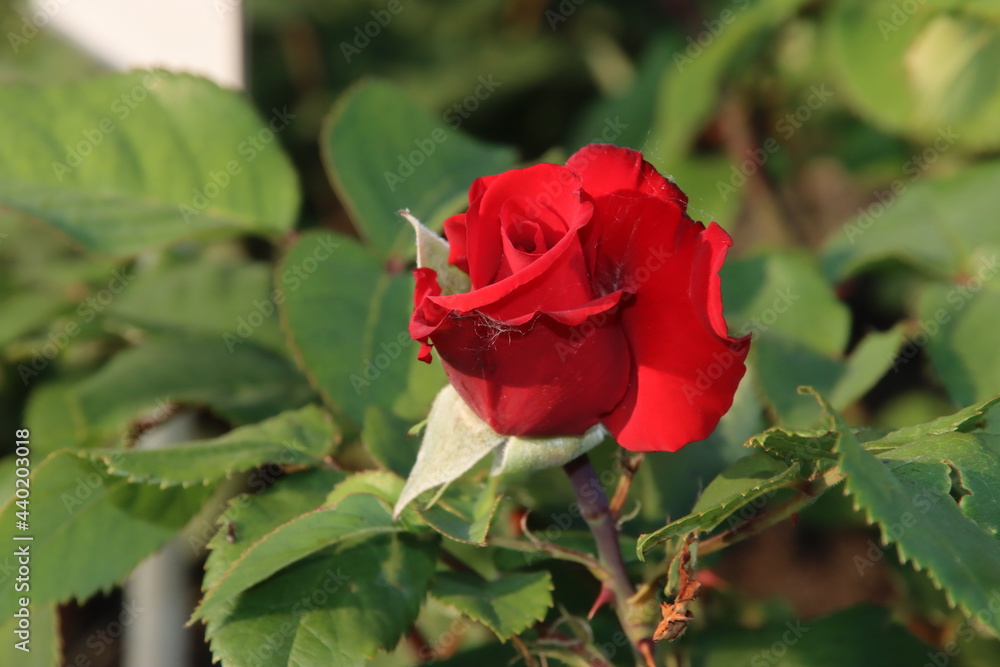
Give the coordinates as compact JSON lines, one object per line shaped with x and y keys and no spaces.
{"x":199,"y":36}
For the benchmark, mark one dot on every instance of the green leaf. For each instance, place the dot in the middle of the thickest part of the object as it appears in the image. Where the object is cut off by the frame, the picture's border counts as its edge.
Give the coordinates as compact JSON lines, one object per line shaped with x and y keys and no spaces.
{"x":301,"y":437}
{"x":244,"y":386}
{"x":867,"y":364}
{"x":941,"y":227}
{"x":45,"y":642}
{"x":783,"y":365}
{"x":354,"y":516}
{"x":250,"y":517}
{"x":347,"y":321}
{"x":54,"y":418}
{"x":918,"y":73}
{"x":958,"y":327}
{"x":796,"y":446}
{"x":962,"y":421}
{"x":107,"y":523}
{"x":752,"y":477}
{"x":976,"y":460}
{"x":783,"y":293}
{"x":915,"y":513}
{"x":337,"y":608}
{"x":859,"y":636}
{"x":507,"y":606}
{"x":464,"y":511}
{"x":384,"y":154}
{"x":232,"y":301}
{"x":387,"y":439}
{"x":137,"y":160}
{"x":24,"y":312}
{"x":689,"y":88}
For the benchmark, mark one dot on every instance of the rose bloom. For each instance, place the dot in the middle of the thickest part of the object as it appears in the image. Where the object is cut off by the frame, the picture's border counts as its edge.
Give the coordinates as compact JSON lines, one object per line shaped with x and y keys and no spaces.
{"x":594,"y":298}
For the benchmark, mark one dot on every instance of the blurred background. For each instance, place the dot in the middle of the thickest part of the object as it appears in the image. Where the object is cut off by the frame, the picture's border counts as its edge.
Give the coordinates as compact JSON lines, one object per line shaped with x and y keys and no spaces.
{"x":848,"y":146}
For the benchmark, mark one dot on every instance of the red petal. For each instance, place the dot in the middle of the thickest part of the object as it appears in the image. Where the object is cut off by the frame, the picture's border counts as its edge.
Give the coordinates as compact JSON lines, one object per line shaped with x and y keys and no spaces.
{"x":455,"y":232}
{"x":556,"y":281}
{"x":546,"y":186}
{"x":541,"y":379}
{"x":606,"y":169}
{"x":686,"y":367}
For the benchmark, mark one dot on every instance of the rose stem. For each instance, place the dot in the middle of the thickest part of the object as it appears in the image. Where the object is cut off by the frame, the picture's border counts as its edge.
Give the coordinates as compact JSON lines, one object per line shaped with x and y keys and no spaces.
{"x":603,"y":525}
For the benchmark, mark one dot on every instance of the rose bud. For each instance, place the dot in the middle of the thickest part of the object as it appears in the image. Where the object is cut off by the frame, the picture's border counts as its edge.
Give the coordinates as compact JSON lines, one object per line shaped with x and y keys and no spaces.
{"x":594,"y":298}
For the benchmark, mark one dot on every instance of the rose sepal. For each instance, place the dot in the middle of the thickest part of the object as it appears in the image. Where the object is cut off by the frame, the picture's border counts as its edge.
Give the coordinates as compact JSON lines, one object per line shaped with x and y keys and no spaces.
{"x":456,"y":439}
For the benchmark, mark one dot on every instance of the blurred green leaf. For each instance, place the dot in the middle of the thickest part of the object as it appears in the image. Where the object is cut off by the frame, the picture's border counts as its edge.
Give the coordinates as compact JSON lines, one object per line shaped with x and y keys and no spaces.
{"x":386,"y":438}
{"x":132,"y":161}
{"x":232,"y":301}
{"x":107,"y":523}
{"x":507,"y":606}
{"x":783,"y":365}
{"x":958,"y":328}
{"x":27,"y":311}
{"x":942,"y":227}
{"x":783,"y":292}
{"x":301,"y":437}
{"x":244,"y":385}
{"x":867,"y":364}
{"x":917,"y":72}
{"x":860,"y":636}
{"x":347,"y":321}
{"x":690,"y":86}
{"x":384,"y":154}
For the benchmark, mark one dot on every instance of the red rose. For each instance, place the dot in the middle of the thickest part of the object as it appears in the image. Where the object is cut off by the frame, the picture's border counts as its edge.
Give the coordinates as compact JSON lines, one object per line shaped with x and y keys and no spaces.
{"x":594,"y":298}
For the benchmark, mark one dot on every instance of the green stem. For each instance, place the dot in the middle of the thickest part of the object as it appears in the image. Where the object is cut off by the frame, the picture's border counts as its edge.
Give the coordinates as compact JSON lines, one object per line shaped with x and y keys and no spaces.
{"x":603,"y":525}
